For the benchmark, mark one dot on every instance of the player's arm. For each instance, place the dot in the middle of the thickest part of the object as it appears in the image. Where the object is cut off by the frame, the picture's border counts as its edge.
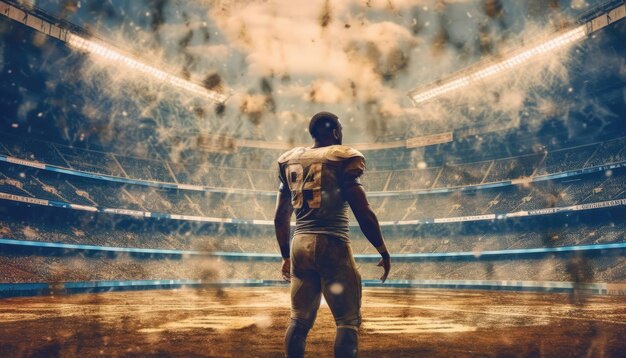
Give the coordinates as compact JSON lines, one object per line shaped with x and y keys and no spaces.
{"x":282,"y":219}
{"x":355,"y":195}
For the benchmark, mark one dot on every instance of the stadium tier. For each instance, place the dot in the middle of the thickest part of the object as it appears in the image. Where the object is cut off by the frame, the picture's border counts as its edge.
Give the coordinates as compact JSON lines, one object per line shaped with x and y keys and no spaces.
{"x":25,"y":182}
{"x":534,"y":249}
{"x":100,"y":230}
{"x":214,"y":173}
{"x":63,"y":269}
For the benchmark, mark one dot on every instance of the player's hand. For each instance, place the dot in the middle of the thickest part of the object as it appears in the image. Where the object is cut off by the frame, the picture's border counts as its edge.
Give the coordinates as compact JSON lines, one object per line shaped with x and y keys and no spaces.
{"x":286,"y":270}
{"x":385,"y":262}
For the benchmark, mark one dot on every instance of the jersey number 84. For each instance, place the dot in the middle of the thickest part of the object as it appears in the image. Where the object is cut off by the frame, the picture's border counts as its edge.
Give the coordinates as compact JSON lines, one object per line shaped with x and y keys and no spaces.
{"x":299,"y":184}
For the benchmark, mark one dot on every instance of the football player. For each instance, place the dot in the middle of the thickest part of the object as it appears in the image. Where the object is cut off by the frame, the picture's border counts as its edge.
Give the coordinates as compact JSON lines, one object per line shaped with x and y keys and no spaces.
{"x":319,"y":182}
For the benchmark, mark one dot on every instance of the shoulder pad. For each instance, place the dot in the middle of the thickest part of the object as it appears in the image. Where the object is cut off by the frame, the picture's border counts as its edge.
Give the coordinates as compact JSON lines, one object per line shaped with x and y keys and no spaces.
{"x":289,"y":154}
{"x":341,"y":152}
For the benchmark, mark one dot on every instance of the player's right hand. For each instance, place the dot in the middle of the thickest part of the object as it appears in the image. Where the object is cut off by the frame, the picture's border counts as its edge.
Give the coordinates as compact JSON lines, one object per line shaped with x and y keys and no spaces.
{"x":385,"y":262}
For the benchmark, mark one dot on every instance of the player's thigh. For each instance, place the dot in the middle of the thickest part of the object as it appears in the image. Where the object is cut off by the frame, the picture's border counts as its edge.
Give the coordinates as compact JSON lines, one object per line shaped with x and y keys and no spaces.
{"x":305,"y":281}
{"x":305,"y":296}
{"x":341,"y":285}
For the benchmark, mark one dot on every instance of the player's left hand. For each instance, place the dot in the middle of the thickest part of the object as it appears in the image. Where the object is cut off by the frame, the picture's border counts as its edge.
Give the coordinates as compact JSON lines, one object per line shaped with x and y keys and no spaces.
{"x":385,"y":263}
{"x":286,"y":270}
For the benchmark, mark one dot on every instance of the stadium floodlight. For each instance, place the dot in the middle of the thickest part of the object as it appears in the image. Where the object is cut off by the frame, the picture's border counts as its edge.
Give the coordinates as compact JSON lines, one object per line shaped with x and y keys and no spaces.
{"x":109,"y":53}
{"x":518,"y":58}
{"x":485,"y":70}
{"x":77,"y":38}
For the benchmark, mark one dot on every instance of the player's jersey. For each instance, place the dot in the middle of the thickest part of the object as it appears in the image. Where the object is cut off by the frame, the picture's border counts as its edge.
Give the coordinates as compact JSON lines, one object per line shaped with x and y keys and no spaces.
{"x":316,"y":178}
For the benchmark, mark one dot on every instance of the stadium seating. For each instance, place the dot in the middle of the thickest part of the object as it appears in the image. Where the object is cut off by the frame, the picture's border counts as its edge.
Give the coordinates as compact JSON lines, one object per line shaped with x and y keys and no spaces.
{"x":141,"y":233}
{"x":76,"y":268}
{"x":557,"y":269}
{"x":560,"y":160}
{"x":538,"y":195}
{"x":608,"y":152}
{"x":256,"y":170}
{"x":105,"y":230}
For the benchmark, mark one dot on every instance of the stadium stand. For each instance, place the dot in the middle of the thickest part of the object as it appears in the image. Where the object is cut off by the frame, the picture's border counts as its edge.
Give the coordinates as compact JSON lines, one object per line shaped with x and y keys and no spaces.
{"x":595,"y":270}
{"x":69,"y":268}
{"x":145,"y":169}
{"x":76,"y":268}
{"x":559,"y":160}
{"x":611,"y":151}
{"x":42,"y":224}
{"x":511,"y":168}
{"x":90,"y":161}
{"x":44,"y":185}
{"x":463,"y":174}
{"x":214,"y":173}
{"x":412,"y":179}
{"x":102,"y":230}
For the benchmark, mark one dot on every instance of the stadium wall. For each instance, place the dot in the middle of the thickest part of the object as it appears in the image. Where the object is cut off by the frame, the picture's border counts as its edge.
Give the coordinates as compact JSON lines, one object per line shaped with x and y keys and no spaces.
{"x":59,"y":249}
{"x":45,"y":289}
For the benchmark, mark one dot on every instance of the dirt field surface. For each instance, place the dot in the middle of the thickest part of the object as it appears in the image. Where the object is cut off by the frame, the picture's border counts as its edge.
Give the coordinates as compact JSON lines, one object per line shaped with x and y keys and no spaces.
{"x":250,"y":322}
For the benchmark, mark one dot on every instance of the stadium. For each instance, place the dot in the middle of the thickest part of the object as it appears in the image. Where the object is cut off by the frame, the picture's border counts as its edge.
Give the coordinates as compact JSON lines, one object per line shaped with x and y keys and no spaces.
{"x":138,"y":173}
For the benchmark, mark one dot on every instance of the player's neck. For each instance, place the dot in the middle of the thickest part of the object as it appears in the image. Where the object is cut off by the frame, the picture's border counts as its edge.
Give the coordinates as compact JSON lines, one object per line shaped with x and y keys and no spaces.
{"x":323,"y":143}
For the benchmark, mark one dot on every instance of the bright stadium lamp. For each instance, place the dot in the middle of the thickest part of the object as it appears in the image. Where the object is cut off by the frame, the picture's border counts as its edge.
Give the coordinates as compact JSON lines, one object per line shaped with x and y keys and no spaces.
{"x":487,"y":69}
{"x":40,"y":21}
{"x":98,"y":49}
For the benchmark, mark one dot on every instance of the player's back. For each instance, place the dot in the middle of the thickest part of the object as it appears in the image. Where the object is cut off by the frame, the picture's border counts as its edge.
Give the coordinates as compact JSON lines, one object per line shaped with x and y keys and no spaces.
{"x":316,"y":178}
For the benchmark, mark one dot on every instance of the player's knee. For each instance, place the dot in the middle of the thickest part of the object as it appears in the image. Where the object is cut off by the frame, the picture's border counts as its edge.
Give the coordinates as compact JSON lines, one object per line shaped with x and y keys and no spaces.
{"x":304,"y":321}
{"x":353,"y":321}
{"x":347,"y":341}
{"x":295,"y":338}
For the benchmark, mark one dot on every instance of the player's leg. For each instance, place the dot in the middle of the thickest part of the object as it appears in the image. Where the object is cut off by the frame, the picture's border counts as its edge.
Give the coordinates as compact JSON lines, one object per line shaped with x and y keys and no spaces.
{"x":305,"y":294}
{"x":346,"y":341}
{"x":341,"y":286}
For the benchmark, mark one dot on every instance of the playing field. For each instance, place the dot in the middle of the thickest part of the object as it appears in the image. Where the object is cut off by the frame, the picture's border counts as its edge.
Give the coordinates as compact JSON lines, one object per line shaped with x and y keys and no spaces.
{"x":244,"y":322}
